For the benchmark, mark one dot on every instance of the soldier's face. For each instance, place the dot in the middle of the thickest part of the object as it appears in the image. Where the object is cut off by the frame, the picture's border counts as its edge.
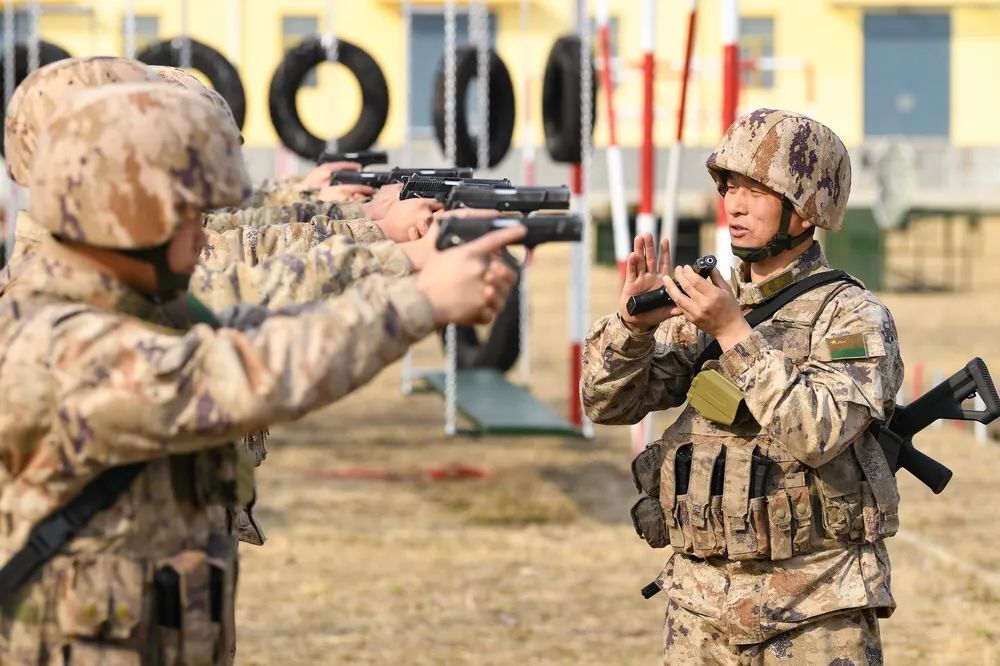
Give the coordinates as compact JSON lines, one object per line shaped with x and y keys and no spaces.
{"x":187,"y":242}
{"x":753,"y":212}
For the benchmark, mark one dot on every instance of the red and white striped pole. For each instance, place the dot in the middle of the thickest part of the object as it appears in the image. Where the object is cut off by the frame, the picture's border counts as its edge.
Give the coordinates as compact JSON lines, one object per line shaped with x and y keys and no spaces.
{"x":616,"y":175}
{"x":668,"y":229}
{"x":730,"y":99}
{"x":645,"y":220}
{"x":577,"y":325}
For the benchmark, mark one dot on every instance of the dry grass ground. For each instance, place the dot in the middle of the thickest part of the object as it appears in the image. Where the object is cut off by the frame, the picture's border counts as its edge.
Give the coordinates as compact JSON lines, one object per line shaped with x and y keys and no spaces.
{"x":538,"y":563}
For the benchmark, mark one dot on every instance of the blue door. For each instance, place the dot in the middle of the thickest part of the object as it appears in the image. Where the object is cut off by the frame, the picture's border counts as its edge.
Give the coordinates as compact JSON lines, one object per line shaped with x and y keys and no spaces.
{"x":426,"y":54}
{"x":907,"y":74}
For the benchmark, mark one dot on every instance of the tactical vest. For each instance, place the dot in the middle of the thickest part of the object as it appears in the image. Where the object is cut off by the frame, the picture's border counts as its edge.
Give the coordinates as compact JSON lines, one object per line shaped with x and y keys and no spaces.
{"x":99,"y":607}
{"x":735,"y":492}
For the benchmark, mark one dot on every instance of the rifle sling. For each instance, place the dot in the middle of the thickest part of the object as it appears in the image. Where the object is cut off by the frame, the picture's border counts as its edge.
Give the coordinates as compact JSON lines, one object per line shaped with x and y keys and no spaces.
{"x":49,"y":536}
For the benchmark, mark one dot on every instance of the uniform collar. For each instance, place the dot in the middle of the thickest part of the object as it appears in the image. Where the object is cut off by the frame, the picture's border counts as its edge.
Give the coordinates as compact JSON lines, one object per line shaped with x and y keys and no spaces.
{"x":57,"y":271}
{"x":749,"y":294}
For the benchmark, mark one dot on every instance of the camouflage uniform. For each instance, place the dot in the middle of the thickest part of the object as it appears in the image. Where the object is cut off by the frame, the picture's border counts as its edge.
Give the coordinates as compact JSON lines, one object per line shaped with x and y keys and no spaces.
{"x":348,"y":216}
{"x":799,"y":573}
{"x":128,"y":381}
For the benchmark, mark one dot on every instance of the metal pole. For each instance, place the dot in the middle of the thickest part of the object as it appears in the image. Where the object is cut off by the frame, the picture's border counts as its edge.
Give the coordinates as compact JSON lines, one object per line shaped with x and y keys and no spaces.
{"x":34,"y":17}
{"x":332,"y":47}
{"x":730,"y":95}
{"x":451,"y":334}
{"x":528,"y":166}
{"x":668,"y":229}
{"x":8,"y":92}
{"x":407,"y":383}
{"x":479,"y":19}
{"x":580,"y":252}
{"x":185,"y":37}
{"x":645,"y":220}
{"x":616,"y":176}
{"x":128,"y":28}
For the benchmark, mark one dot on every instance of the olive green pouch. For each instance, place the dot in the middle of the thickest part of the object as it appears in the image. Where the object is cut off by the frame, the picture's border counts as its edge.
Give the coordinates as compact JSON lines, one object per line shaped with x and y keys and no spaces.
{"x":715,"y":397}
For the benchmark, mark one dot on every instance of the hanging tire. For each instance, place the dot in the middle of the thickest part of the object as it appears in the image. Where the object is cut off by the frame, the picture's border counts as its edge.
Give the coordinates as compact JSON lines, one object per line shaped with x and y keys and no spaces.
{"x":287,"y":79}
{"x":561,"y":101}
{"x":502,"y":108}
{"x":502,"y":345}
{"x":47,"y":53}
{"x":215,"y":66}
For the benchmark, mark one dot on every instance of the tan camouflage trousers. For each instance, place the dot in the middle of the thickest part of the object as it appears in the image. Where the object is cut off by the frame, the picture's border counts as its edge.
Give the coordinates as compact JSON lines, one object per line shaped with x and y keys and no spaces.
{"x":843,"y":639}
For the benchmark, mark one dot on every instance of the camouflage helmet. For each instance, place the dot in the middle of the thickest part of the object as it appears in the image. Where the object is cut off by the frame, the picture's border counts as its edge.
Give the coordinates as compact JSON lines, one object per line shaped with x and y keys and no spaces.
{"x":795,"y":156}
{"x":37,"y":98}
{"x":116,"y":165}
{"x":178,"y":77}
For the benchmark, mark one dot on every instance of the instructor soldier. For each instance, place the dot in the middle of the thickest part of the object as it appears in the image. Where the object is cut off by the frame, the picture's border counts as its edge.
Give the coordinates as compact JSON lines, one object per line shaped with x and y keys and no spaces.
{"x":773,"y":495}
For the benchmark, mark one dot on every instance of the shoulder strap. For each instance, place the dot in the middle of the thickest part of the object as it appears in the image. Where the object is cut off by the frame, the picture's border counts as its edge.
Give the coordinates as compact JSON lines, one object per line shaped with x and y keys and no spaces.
{"x":769,"y":307}
{"x":49,"y":536}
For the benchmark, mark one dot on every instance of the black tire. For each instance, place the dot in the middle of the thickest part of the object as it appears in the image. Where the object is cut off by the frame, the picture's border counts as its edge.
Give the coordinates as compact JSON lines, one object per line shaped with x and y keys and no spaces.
{"x":503,"y":343}
{"x":502,"y":108}
{"x":47,"y":53}
{"x":561,"y":101}
{"x":215,"y":66}
{"x":287,"y":79}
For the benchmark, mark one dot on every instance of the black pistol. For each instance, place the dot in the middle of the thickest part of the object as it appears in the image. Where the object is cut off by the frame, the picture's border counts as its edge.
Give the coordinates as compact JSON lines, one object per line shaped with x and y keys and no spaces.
{"x":658,"y":298}
{"x":362,"y":157}
{"x":541,"y":229}
{"x":519,"y":198}
{"x":426,"y":187}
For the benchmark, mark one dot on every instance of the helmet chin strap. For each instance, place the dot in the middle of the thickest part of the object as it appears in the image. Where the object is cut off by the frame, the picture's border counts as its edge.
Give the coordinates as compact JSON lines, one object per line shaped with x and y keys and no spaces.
{"x":169,"y":284}
{"x":780,"y":242}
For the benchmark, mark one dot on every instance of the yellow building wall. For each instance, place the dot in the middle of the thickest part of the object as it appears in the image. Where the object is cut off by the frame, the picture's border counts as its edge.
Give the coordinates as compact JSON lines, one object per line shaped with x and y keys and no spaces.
{"x":823,"y":39}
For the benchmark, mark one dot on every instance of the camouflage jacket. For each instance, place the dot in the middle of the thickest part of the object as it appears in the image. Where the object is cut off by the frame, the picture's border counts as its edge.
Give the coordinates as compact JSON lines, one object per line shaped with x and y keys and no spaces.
{"x":279,"y":191}
{"x":88,"y":382}
{"x":812,"y":380}
{"x":354,"y":222}
{"x":250,"y":245}
{"x":326,"y":270}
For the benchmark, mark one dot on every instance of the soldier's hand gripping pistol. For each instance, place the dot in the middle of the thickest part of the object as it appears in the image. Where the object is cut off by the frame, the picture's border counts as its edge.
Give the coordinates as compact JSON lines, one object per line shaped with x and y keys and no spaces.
{"x":944,"y":401}
{"x":658,"y":298}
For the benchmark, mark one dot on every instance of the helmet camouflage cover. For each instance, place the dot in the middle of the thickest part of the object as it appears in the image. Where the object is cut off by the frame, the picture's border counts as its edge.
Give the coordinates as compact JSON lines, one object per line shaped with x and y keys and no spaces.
{"x":44,"y":90}
{"x":178,"y":77}
{"x":118,"y":165}
{"x":793,"y":155}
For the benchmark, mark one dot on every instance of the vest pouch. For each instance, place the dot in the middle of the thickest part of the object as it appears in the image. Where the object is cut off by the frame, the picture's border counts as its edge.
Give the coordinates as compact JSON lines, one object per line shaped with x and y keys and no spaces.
{"x":744,"y":506}
{"x":101,"y":598}
{"x":800,"y":501}
{"x":700,"y":518}
{"x":838,"y":487}
{"x":779,"y":520}
{"x":674,"y":474}
{"x":190,"y":598}
{"x":649,"y":523}
{"x":646,"y":469}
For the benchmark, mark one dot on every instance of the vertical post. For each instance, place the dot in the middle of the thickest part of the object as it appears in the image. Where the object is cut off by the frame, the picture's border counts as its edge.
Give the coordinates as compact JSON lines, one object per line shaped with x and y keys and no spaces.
{"x":451,"y":333}
{"x":580,"y":257}
{"x":616,"y":176}
{"x":407,"y":384}
{"x":34,"y":16}
{"x":982,"y":435}
{"x":668,"y":229}
{"x":480,"y":31}
{"x":645,"y":220}
{"x":528,"y":168}
{"x":185,"y":59}
{"x":128,"y":28}
{"x":330,"y":44}
{"x":730,"y":95}
{"x":8,"y":92}
{"x":236,"y":31}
